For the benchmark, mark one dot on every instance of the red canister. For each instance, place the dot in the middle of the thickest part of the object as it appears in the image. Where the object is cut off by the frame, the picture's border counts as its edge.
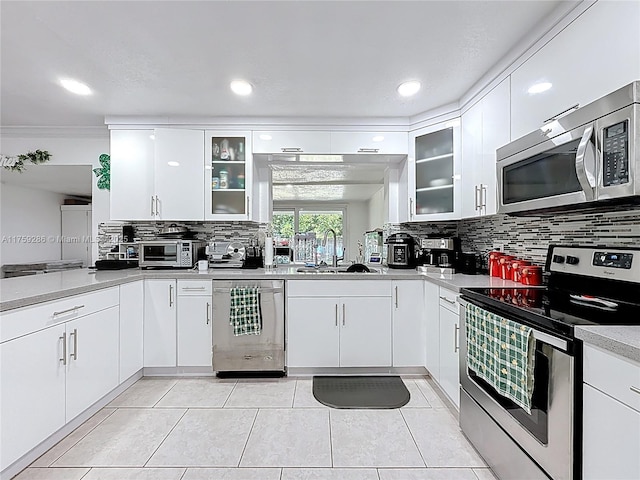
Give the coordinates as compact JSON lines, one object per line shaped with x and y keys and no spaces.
{"x":516,"y":267}
{"x":531,"y":275}
{"x":505,"y":266}
{"x":494,"y":263}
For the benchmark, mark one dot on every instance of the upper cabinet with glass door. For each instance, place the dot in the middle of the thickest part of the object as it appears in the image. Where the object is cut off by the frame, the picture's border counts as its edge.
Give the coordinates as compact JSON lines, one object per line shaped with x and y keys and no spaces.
{"x":228,"y":175}
{"x":434,"y":176}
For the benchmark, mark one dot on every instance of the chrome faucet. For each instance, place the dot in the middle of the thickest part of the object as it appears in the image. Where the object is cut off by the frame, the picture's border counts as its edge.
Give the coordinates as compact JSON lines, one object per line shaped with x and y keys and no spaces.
{"x":334,"y":257}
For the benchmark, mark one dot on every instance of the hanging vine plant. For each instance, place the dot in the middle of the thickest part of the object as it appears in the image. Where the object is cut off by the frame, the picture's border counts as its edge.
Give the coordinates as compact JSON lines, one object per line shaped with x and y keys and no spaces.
{"x":104,"y":172}
{"x":16,"y":163}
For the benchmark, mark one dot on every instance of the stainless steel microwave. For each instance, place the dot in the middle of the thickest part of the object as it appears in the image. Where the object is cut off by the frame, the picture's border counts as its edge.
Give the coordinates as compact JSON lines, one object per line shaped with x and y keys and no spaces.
{"x":172,"y":253}
{"x":591,"y":155}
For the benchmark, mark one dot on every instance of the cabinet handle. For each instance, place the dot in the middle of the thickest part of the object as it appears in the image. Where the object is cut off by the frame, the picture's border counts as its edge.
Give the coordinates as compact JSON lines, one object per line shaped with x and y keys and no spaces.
{"x":247,"y":212}
{"x":157,"y":206}
{"x":344,"y":315}
{"x":368,"y":150}
{"x":68,"y":310}
{"x":483,"y":196}
{"x":411,"y":208}
{"x":476,"y":190}
{"x":64,"y":348}
{"x":558,"y":115}
{"x":635,"y":389}
{"x":208,"y":317}
{"x":336,"y":314}
{"x":456,"y":328}
{"x":170,"y":295}
{"x":189,"y":289}
{"x":75,"y":344}
{"x":452,"y":302}
{"x":291,"y":149}
{"x":153,"y":213}
{"x":396,"y":296}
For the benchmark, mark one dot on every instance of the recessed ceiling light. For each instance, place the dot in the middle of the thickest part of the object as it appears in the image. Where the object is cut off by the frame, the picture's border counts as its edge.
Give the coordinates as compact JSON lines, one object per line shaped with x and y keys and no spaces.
{"x":173,"y":164}
{"x":264,"y":136}
{"x":75,"y":87}
{"x":378,"y":138}
{"x":241,"y":87}
{"x":407,"y":89}
{"x":539,"y":87}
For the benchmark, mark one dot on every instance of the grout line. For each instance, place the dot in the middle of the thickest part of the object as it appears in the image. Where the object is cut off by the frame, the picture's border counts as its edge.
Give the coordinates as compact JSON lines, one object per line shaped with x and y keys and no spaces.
{"x":414,"y":439}
{"x":330,"y":439}
{"x":248,"y":436}
{"x":295,"y":390}
{"x":165,"y":437}
{"x":86,"y":473}
{"x":165,"y":393}
{"x":183,"y":473}
{"x":224,"y":404}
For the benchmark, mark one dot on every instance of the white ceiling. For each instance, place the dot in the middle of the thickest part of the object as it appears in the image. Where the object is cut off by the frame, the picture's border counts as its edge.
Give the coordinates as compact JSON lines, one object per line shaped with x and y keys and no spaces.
{"x":73,"y":180}
{"x":304,"y":58}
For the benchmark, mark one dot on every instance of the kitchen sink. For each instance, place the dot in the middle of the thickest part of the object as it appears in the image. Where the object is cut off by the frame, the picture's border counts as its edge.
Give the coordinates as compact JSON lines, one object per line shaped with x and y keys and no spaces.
{"x":320,"y":270}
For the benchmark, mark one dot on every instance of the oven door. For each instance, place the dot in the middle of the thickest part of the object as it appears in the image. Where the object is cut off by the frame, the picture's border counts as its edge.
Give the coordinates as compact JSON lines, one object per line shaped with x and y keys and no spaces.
{"x":558,"y":172}
{"x":159,"y":254}
{"x":545,"y":435}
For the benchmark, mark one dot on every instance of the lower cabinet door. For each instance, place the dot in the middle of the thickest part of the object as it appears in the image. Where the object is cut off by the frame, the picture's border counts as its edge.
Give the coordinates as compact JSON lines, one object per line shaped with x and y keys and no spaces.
{"x":611,"y":440}
{"x":194,"y":331}
{"x":365,"y":332}
{"x":313,"y":334}
{"x":159,"y":323}
{"x":449,"y":345}
{"x":408,"y":323}
{"x":32,"y":390}
{"x":131,"y":328}
{"x":92,"y":359}
{"x":432,"y":322}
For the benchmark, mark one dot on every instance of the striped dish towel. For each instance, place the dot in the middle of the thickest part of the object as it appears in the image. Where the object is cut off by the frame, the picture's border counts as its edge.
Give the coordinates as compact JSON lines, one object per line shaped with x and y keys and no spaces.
{"x":244,"y":313}
{"x":502,"y":352}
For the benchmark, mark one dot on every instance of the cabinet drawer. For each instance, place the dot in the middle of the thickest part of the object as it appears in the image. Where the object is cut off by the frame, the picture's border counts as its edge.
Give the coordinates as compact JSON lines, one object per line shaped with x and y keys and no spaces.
{"x":339,"y":288}
{"x":194,"y":287}
{"x":370,"y":142}
{"x":613,"y":375}
{"x":36,"y":317}
{"x":449,"y":300}
{"x":291,"y":141}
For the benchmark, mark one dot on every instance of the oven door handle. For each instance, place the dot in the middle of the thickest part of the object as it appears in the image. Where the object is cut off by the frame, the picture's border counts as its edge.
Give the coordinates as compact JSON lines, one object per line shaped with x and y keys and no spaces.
{"x":559,"y":343}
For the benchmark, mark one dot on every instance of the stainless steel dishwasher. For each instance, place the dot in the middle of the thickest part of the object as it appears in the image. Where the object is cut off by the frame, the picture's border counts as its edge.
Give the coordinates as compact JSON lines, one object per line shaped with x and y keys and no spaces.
{"x":249,"y":353}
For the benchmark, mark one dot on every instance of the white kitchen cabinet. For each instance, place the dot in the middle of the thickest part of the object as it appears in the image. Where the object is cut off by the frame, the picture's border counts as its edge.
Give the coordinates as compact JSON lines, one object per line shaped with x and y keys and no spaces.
{"x":369,"y":142}
{"x":432,"y":323}
{"x":131,"y":328}
{"x":293,"y":141}
{"x":76,"y":231}
{"x":157,"y":174}
{"x":32,"y":391}
{"x":92,"y":359}
{"x":334,"y":323}
{"x":159,"y":323}
{"x":485,"y":128}
{"x":132,"y":184}
{"x":581,"y":65}
{"x":449,"y":379}
{"x":408,"y":323}
{"x":194,"y":323}
{"x":228,"y":177}
{"x":611,"y":416}
{"x":435,"y":172}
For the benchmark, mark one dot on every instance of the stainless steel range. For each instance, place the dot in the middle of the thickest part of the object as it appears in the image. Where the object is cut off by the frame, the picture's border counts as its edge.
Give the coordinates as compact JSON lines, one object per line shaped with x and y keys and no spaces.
{"x":586,"y":286}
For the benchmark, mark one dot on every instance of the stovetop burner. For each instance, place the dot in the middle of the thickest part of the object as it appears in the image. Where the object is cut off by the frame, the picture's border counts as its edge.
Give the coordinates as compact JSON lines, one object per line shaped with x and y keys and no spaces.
{"x":583,"y":292}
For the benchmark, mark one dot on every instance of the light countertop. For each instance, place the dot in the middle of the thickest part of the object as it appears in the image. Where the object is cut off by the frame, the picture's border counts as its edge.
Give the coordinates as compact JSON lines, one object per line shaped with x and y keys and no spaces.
{"x":24,"y":291}
{"x":623,"y":340}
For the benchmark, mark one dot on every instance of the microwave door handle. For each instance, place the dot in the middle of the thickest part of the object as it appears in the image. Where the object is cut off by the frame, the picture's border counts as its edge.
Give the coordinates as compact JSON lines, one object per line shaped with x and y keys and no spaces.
{"x":585,"y":164}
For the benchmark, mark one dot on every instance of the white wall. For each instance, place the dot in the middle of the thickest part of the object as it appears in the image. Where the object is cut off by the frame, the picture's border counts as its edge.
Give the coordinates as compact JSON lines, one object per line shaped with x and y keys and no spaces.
{"x":29,"y":214}
{"x":376,"y":206}
{"x":357,"y":224}
{"x":80,"y":148}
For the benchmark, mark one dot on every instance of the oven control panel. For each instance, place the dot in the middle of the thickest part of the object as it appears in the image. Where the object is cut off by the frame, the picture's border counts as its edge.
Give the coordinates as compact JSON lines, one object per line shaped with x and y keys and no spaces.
{"x":601,"y":262}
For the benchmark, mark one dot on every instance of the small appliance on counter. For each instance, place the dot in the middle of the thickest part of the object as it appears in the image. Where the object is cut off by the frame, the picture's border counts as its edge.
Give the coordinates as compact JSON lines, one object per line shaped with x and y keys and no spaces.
{"x":226,"y":254}
{"x":401,"y":251}
{"x":470,"y":263}
{"x":441,"y":254}
{"x":373,"y":247}
{"x":170,"y":253}
{"x":253,"y":256}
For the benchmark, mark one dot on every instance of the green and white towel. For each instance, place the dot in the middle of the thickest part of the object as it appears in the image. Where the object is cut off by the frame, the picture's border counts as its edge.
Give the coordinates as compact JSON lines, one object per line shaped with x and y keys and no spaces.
{"x":244,"y":313}
{"x":502,"y":352}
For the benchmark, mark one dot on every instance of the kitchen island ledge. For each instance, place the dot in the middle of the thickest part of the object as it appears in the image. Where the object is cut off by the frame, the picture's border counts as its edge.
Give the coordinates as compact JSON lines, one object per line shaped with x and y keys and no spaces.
{"x":20,"y":292}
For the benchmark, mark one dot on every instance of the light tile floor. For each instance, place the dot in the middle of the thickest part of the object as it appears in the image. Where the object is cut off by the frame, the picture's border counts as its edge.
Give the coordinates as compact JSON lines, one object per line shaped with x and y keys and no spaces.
{"x":268,"y":429}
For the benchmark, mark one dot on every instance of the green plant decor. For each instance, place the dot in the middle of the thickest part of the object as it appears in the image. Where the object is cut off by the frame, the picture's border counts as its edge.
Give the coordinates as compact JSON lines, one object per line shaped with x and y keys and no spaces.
{"x":104,"y":172}
{"x":16,"y":163}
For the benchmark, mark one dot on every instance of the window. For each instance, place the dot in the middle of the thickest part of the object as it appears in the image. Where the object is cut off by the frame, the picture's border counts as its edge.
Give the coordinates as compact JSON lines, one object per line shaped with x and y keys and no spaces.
{"x":303,"y":230}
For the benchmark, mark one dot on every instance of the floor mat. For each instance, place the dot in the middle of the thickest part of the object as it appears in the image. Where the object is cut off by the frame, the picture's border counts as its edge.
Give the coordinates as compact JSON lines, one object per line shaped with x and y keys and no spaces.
{"x":386,"y":391}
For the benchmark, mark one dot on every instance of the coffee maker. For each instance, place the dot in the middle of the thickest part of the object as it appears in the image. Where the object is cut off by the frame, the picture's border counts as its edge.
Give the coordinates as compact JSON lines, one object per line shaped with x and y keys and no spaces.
{"x":440,"y":253}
